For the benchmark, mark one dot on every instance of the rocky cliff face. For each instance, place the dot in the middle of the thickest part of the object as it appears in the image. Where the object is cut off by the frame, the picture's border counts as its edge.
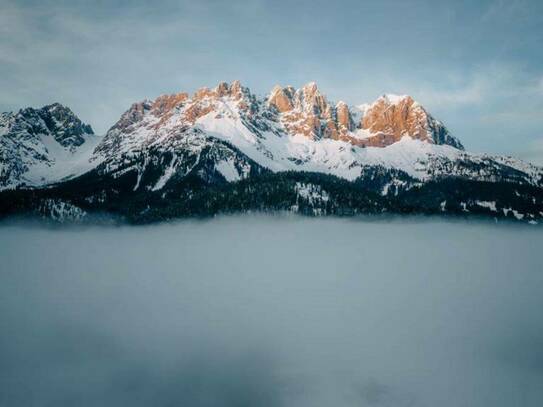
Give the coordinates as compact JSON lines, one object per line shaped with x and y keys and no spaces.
{"x":304,"y":111}
{"x":307,"y":112}
{"x":392,"y":117}
{"x":36,"y":142}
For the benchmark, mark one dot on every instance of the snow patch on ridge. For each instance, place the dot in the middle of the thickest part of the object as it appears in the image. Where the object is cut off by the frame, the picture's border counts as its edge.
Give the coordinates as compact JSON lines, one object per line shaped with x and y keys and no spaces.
{"x":168,"y":173}
{"x":228,"y":170}
{"x":394,"y":99}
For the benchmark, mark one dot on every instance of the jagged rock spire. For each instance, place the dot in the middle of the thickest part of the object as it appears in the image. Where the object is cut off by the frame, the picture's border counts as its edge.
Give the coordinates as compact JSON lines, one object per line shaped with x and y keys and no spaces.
{"x":392,"y":117}
{"x":281,"y":98}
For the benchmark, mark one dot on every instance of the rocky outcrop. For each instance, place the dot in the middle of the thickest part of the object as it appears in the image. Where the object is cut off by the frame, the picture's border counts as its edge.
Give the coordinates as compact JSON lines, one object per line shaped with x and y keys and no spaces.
{"x":53,"y":120}
{"x":307,"y":112}
{"x":281,"y":98}
{"x":310,"y":100}
{"x":343,"y":115}
{"x":392,"y":117}
{"x":32,"y":141}
{"x":304,"y":111}
{"x":132,"y":116}
{"x":67,"y":129}
{"x":166,"y":103}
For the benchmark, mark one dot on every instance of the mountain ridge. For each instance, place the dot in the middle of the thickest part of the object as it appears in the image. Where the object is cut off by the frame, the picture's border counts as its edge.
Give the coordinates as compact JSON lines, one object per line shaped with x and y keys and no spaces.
{"x":178,"y":144}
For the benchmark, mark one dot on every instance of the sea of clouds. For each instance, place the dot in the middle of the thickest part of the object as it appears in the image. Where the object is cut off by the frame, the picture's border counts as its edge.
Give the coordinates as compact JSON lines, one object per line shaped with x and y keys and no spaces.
{"x":272,"y":311}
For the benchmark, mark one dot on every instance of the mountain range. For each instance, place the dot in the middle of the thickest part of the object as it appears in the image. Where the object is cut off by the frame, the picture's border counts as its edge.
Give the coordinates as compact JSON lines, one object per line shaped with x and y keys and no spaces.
{"x":226,"y":150}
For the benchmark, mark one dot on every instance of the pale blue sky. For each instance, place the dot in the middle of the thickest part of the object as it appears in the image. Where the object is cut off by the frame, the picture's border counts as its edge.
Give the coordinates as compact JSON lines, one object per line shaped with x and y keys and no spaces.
{"x":476,"y":65}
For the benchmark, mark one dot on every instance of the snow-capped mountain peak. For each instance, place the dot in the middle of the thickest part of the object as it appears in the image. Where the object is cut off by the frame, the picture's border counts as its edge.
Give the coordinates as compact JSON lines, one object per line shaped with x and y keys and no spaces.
{"x":43,"y":145}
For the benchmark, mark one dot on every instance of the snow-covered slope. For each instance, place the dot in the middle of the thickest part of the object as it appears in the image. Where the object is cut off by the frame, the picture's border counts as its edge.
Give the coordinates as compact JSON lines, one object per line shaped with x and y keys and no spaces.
{"x":41,"y":146}
{"x":292,"y":130}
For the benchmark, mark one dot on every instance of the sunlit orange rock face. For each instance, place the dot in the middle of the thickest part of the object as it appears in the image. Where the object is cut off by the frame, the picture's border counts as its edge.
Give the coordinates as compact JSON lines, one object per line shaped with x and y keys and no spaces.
{"x":305,"y":112}
{"x":223,"y":89}
{"x":311,"y":101}
{"x":195,"y":111}
{"x":390,"y":120}
{"x":235,"y":90}
{"x":200,"y":104}
{"x":164,"y":106}
{"x":343,"y":116}
{"x":165,"y":103}
{"x":281,"y":98}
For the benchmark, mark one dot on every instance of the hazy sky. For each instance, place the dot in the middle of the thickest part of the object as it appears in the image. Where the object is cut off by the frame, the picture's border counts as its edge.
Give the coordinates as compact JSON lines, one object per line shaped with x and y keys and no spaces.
{"x":476,"y":65}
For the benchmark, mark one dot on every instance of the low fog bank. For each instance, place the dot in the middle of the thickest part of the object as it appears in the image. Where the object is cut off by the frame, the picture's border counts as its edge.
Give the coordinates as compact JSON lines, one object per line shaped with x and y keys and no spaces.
{"x":272,"y":311}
